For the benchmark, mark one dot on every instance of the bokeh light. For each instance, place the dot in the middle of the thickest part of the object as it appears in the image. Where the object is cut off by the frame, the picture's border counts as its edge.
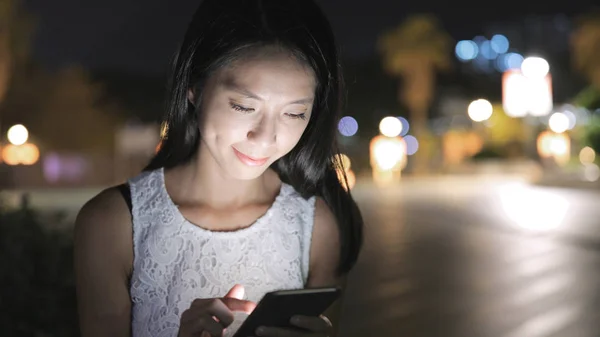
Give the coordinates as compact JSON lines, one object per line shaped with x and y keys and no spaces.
{"x":480,"y":110}
{"x":390,"y":126}
{"x":587,"y":155}
{"x":514,"y":61}
{"x":466,"y":50}
{"x":412,"y":145}
{"x":342,"y":161}
{"x":591,"y":172}
{"x":388,"y":153}
{"x":572,"y":118}
{"x":487,"y":51}
{"x":499,"y":43}
{"x":348,"y":126}
{"x":509,"y":61}
{"x":350,"y":178}
{"x":18,"y":134}
{"x":405,"y":126}
{"x":535,"y":67}
{"x":558,"y":122}
{"x":24,"y":154}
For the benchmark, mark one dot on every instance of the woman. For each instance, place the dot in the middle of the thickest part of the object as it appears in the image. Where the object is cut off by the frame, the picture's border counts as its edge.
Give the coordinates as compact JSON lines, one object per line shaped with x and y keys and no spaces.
{"x":243,"y":194}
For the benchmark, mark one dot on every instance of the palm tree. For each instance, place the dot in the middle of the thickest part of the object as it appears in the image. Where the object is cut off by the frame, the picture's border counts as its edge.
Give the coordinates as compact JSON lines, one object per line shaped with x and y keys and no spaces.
{"x":16,"y":29}
{"x":5,"y":54}
{"x":415,"y":51}
{"x":585,"y":48}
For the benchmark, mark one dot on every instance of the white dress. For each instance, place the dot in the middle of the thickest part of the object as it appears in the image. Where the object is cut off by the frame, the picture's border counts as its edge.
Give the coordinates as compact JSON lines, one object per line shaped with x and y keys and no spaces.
{"x":176,"y":262}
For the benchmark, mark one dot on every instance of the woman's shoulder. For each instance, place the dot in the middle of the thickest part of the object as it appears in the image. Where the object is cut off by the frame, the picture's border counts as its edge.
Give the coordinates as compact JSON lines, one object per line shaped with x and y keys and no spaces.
{"x":109,"y":204}
{"x":105,"y":220}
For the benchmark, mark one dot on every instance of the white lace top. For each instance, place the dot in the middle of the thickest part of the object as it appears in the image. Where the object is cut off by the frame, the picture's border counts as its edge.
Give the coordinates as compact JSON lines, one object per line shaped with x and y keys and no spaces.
{"x":176,"y":261}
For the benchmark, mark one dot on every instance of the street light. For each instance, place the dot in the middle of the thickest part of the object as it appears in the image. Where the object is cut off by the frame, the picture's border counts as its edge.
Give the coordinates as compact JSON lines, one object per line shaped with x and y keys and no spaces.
{"x":388,"y":158}
{"x":480,"y":110}
{"x":19,"y":151}
{"x":558,"y":122}
{"x":528,"y":91}
{"x":390,"y":126}
{"x":25,"y":154}
{"x":535,"y":67}
{"x":18,"y":135}
{"x":554,"y":146}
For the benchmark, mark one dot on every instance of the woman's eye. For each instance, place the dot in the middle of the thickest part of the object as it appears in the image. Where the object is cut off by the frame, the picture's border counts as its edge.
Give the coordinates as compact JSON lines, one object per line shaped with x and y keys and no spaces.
{"x":297,"y":116}
{"x":240,"y":108}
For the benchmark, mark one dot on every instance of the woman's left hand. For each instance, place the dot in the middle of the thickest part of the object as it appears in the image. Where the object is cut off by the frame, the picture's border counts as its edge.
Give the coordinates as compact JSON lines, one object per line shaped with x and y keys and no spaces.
{"x":307,"y":327}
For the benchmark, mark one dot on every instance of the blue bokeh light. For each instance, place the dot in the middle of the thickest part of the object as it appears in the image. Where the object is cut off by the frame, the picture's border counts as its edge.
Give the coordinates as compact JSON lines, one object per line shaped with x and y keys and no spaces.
{"x":500,"y":44}
{"x":466,"y":50}
{"x":514,"y":61}
{"x":508,"y":61}
{"x":405,"y":126}
{"x":412,"y":145}
{"x":487,"y":51}
{"x":348,"y":126}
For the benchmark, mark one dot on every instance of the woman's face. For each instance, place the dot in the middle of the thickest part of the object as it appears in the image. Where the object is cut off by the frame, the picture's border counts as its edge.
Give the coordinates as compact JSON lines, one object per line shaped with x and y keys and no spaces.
{"x":254,"y":111}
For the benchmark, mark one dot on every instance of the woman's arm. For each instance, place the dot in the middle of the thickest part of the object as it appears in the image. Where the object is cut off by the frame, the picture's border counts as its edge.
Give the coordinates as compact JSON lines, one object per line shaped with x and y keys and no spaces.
{"x":103,"y":264}
{"x":324,"y":259}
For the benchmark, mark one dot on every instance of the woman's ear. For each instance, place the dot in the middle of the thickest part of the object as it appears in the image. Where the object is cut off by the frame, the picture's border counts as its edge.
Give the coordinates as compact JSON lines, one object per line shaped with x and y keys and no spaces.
{"x":192,"y":96}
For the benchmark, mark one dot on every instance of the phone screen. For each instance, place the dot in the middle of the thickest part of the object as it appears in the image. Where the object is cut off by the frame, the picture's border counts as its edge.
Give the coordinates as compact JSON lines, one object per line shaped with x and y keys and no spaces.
{"x":277,"y":308}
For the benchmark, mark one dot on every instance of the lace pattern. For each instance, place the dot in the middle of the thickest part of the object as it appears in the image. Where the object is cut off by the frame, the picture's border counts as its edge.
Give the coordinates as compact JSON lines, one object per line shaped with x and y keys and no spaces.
{"x":176,"y":262}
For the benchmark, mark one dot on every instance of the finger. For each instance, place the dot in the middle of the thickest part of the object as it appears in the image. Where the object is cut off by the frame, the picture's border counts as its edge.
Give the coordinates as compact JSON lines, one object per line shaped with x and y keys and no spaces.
{"x":311,"y":323}
{"x":207,"y":324}
{"x":283,"y":332}
{"x":212,"y":307}
{"x":234,"y":304}
{"x":237,"y":291}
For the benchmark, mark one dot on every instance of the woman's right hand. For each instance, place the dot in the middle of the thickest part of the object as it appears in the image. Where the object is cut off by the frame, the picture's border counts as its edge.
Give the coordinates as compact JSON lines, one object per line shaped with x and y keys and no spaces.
{"x":209,"y":317}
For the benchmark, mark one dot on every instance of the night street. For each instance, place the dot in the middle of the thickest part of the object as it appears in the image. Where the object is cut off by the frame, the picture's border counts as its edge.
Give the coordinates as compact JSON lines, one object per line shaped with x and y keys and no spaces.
{"x":451,"y":257}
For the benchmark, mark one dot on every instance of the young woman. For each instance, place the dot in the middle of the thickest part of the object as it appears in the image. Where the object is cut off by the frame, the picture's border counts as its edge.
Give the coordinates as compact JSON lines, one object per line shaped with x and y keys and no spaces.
{"x":243,"y":194}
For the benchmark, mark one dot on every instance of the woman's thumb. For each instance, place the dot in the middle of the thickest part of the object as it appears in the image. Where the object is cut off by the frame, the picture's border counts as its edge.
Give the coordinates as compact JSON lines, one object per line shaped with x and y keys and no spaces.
{"x":237,"y":292}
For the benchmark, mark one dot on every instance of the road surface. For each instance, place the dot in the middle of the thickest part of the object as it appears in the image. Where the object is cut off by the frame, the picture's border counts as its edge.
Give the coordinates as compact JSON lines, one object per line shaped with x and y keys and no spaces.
{"x":476,"y":257}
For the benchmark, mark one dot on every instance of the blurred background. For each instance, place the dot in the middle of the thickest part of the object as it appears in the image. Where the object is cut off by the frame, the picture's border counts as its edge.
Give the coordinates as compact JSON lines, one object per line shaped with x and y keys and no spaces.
{"x":469,"y":139}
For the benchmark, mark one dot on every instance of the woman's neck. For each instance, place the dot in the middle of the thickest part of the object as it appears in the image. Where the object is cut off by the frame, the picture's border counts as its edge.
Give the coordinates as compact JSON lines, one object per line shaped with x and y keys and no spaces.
{"x":202,"y":182}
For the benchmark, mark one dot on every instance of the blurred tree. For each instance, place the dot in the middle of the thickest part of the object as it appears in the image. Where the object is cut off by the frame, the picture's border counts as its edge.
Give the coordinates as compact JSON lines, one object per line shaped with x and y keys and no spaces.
{"x":585,"y":47}
{"x":415,"y":51}
{"x":16,"y":28}
{"x":64,"y":111}
{"x":588,"y":98}
{"x":591,"y":134}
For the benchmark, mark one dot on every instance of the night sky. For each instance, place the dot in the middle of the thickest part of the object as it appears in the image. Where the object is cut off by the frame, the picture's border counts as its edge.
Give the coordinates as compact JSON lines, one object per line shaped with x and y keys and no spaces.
{"x":140,"y":36}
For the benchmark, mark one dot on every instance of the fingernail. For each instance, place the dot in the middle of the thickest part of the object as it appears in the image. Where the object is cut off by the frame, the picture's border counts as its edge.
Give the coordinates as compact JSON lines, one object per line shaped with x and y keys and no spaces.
{"x":260,"y":331}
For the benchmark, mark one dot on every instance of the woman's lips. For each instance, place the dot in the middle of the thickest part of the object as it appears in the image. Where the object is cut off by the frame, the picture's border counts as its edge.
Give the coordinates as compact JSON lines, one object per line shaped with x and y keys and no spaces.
{"x":250,"y":161}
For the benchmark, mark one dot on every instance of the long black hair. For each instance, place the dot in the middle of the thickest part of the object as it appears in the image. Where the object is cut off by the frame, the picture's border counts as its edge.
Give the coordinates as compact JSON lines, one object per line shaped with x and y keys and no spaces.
{"x":221,"y":31}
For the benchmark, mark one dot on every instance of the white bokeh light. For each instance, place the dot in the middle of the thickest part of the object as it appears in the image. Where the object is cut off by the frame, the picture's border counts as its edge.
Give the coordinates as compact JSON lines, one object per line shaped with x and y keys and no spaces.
{"x":390,"y":126}
{"x":18,"y":135}
{"x":480,"y":110}
{"x":559,"y":122}
{"x":535,"y":67}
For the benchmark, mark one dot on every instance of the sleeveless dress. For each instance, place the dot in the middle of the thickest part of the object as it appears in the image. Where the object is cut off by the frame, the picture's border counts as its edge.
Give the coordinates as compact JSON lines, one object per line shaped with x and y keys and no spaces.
{"x":176,"y":261}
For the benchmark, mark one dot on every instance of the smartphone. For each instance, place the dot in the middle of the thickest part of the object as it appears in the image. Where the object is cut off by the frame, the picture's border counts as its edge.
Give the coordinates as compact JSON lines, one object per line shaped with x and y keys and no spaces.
{"x":277,"y":308}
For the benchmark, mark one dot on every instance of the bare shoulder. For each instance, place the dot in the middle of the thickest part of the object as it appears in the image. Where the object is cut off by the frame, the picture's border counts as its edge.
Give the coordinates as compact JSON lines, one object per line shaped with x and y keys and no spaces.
{"x":324,"y":258}
{"x":325,"y":247}
{"x":105,"y":220}
{"x":103,"y":263}
{"x":105,"y":215}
